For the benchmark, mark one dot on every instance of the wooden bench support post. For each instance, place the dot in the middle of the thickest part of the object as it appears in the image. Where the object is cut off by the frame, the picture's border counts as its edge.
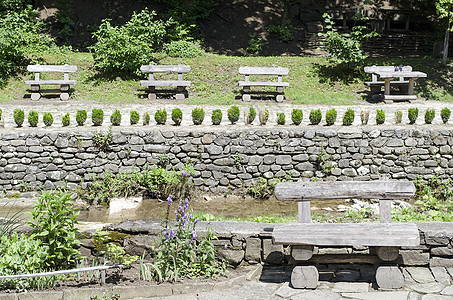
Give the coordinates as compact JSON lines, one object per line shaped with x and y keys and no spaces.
{"x":35,"y":94}
{"x":387,"y":253}
{"x":180,"y":95}
{"x":389,"y":277}
{"x":303,"y":252}
{"x":305,"y":277}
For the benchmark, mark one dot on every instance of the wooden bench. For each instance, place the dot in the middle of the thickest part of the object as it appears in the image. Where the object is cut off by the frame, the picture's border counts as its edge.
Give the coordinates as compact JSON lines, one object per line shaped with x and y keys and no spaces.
{"x":376,"y":85}
{"x":385,"y":236}
{"x":64,"y":83}
{"x":152,"y":83}
{"x":260,"y":71}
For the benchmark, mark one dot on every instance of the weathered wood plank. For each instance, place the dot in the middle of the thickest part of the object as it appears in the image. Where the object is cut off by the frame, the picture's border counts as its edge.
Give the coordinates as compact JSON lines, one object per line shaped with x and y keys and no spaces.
{"x":304,"y":277}
{"x":374,"y":69}
{"x":387,"y":253}
{"x":52,"y":68}
{"x":164,"y":83}
{"x":263,"y":71}
{"x":389,"y":277}
{"x":51,"y":82}
{"x":381,"y":83}
{"x":165,"y":69}
{"x":345,"y":259}
{"x":399,"y":97}
{"x":385,"y":211}
{"x":304,"y":212}
{"x":344,"y":234}
{"x":327,"y":190}
{"x":263,"y":83}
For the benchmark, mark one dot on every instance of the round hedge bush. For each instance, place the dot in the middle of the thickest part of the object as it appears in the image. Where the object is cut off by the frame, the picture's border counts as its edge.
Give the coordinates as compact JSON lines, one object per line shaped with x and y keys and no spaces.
{"x":398,"y":116}
{"x":445,"y":114}
{"x":412,"y":115}
{"x":176,"y":116}
{"x":331,"y":116}
{"x":160,"y":116}
{"x":115,"y":118}
{"x":281,"y":119}
{"x":33,"y":118}
{"x":19,"y":117}
{"x":65,"y":120}
{"x":315,"y":116}
{"x":97,"y":116}
{"x":264,"y":116}
{"x":216,"y":117}
{"x":197,"y":115}
{"x":47,"y":118}
{"x":297,"y":116}
{"x":146,"y":118}
{"x":252,"y":115}
{"x":348,"y":117}
{"x":135,"y":117}
{"x":81,"y":117}
{"x":380,"y":117}
{"x":429,"y":115}
{"x":233,"y":114}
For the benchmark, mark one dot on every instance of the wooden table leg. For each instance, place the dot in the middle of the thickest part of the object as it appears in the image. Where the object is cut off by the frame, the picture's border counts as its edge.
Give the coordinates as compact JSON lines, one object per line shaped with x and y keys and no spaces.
{"x":410,"y":88}
{"x":387,"y":86}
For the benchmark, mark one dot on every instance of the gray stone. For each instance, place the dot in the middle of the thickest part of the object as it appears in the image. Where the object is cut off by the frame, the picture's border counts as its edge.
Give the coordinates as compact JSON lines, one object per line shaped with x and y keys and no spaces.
{"x":38,"y":295}
{"x":436,"y":297}
{"x":317,"y":295}
{"x":441,"y":275}
{"x":272,"y":254}
{"x":232,"y":256}
{"x":381,"y":295}
{"x":413,"y":258}
{"x":426,"y":288}
{"x":448,"y":291}
{"x":420,"y":275}
{"x":253,"y":249}
{"x":442,"y":251}
{"x":305,"y":166}
{"x":214,"y":150}
{"x":441,"y":262}
{"x":301,"y":157}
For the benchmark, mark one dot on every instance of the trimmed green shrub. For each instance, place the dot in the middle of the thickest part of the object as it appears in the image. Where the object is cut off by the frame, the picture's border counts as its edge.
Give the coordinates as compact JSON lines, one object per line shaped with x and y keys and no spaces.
{"x":412,"y":115}
{"x":146,"y":118}
{"x":296,"y":116}
{"x":364,"y":116}
{"x":97,"y":116}
{"x":33,"y":118}
{"x":65,"y":120}
{"x":47,"y":118}
{"x":429,"y":115}
{"x":264,"y":116}
{"x":281,"y":119}
{"x":233,"y":114}
{"x":380,"y":117}
{"x":197,"y":115}
{"x":81,"y":117}
{"x":252,"y":115}
{"x":445,"y":114}
{"x":161,"y":116}
{"x":115,"y":118}
{"x":398,"y":116}
{"x":19,"y":117}
{"x":315,"y":116}
{"x":176,"y":116}
{"x":184,"y":49}
{"x":216,"y":117}
{"x":348,"y":117}
{"x":331,"y":116}
{"x":135,"y":117}
{"x":1,"y":113}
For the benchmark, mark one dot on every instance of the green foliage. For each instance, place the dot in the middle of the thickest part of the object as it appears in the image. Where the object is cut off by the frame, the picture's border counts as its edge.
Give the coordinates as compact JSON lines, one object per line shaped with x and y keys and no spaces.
{"x":315,"y":116}
{"x":429,"y":115}
{"x":33,"y":118}
{"x":1,"y":113}
{"x":413,"y":115}
{"x":65,"y":120}
{"x":53,"y":222}
{"x":197,"y":115}
{"x":113,"y":253}
{"x":160,"y":116}
{"x":106,"y":297}
{"x":47,"y":118}
{"x":445,"y":114}
{"x":19,"y":116}
{"x":264,"y":116}
{"x":251,"y":115}
{"x":115,"y":118}
{"x":184,"y":49}
{"x":262,"y":189}
{"x":398,"y":116}
{"x":97,"y":116}
{"x":297,"y":116}
{"x":135,"y":117}
{"x":216,"y":117}
{"x":255,"y":44}
{"x":348,"y":117}
{"x":281,"y":119}
{"x":284,"y":32}
{"x":10,"y":221}
{"x":102,"y":140}
{"x":146,"y":118}
{"x":81,"y":117}
{"x":331,"y":116}
{"x":176,"y":116}
{"x":233,"y":114}
{"x":364,"y":116}
{"x":380,"y":116}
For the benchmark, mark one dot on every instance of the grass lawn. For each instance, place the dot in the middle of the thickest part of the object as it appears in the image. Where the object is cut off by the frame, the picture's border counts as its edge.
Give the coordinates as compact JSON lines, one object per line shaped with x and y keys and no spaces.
{"x":214,"y":80}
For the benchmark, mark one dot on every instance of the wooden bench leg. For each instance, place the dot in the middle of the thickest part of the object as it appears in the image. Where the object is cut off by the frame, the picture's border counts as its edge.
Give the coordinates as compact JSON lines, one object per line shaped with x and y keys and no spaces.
{"x":152,"y":93}
{"x":389,"y":277}
{"x":375,"y":89}
{"x":35,"y":95}
{"x":279,"y":98}
{"x":180,"y":95}
{"x":246,"y":97}
{"x":305,"y":277}
{"x":303,"y":252}
{"x":64,"y":88}
{"x":387,"y":253}
{"x":64,"y":96}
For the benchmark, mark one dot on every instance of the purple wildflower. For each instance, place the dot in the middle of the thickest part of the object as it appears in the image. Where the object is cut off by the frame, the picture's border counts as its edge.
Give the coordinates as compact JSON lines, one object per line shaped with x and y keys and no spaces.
{"x":170,"y":200}
{"x":184,"y":173}
{"x":196,"y":221}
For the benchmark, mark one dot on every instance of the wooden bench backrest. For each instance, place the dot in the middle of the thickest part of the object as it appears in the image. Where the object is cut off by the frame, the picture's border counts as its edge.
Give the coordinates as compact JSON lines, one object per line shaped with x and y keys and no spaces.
{"x":304,"y":192}
{"x":263,"y":71}
{"x":52,"y":68}
{"x":165,"y":69}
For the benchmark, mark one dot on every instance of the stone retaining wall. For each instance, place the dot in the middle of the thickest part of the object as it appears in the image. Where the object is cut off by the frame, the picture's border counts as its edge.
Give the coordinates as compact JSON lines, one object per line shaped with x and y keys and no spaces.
{"x":229,"y":156}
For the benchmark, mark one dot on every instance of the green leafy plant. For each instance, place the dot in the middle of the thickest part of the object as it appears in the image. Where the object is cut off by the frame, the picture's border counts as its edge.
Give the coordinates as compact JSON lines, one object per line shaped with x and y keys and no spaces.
{"x":284,"y":32}
{"x":255,"y":44}
{"x":115,"y":118}
{"x":160,"y":116}
{"x":216,"y":117}
{"x":176,"y":116}
{"x":135,"y":117}
{"x":264,"y":116}
{"x":146,"y":118}
{"x":429,"y":115}
{"x":97,"y":116}
{"x":1,"y":113}
{"x":315,"y":116}
{"x":112,"y":252}
{"x":281,"y":120}
{"x":53,"y":223}
{"x":197,"y":115}
{"x":33,"y":118}
{"x":65,"y":120}
{"x":251,"y":115}
{"x":297,"y":116}
{"x":81,"y":117}
{"x":445,"y":114}
{"x":331,"y":116}
{"x":348,"y":117}
{"x":47,"y":118}
{"x":380,"y":116}
{"x":102,"y":140}
{"x":233,"y":114}
{"x":364,"y":116}
{"x":412,"y":115}
{"x":398,"y":116}
{"x":11,"y":220}
{"x":184,"y":49}
{"x":263,"y":188}
{"x":19,"y":116}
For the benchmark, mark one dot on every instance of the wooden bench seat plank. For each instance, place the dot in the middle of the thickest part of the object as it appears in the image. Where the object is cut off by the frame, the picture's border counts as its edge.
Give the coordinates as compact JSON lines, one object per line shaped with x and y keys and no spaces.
{"x":382,"y":83}
{"x":258,"y":83}
{"x":326,"y":190}
{"x":165,"y":69}
{"x":399,"y":97}
{"x":345,"y":234}
{"x":52,"y":68}
{"x":171,"y":83}
{"x":263,"y":71}
{"x":50,"y":82}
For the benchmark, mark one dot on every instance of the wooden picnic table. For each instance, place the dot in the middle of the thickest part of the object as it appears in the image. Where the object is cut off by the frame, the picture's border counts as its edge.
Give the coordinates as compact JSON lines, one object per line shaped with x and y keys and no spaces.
{"x":410,"y":75}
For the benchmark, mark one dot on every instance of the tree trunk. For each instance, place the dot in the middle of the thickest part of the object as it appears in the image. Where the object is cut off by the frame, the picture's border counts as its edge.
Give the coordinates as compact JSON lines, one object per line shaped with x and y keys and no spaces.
{"x":445,"y":52}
